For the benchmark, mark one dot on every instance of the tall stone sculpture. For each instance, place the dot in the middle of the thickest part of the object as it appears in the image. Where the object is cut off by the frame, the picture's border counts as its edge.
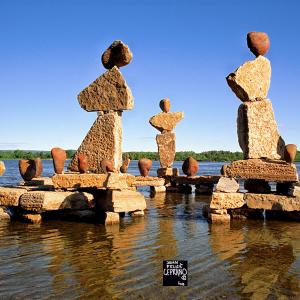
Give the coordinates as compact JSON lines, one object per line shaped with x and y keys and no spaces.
{"x":108,"y":95}
{"x":165,"y":122}
{"x":258,"y":134}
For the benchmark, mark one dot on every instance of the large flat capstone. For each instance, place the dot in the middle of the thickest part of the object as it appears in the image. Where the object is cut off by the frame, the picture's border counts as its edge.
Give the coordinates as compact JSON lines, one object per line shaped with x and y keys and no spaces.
{"x":272,"y":202}
{"x":166,"y":121}
{"x":103,"y":141}
{"x":269,"y":170}
{"x":40,"y":201}
{"x":258,"y":134}
{"x":251,"y":81}
{"x":107,"y":92}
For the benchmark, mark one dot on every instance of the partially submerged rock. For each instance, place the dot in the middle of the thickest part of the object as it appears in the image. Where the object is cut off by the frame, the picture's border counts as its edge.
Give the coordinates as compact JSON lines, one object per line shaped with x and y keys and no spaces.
{"x":9,"y":196}
{"x":226,"y":200}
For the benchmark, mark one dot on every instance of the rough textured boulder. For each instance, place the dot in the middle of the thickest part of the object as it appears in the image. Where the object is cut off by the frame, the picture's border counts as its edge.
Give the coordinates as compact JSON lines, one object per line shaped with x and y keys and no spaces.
{"x":268,"y":170}
{"x":166,"y":148}
{"x":102,"y":141}
{"x":257,"y":131}
{"x":107,"y":92}
{"x":2,"y":168}
{"x":59,"y":157}
{"x":166,"y":121}
{"x":10,"y":196}
{"x":251,"y":81}
{"x":117,"y":54}
{"x":258,"y":43}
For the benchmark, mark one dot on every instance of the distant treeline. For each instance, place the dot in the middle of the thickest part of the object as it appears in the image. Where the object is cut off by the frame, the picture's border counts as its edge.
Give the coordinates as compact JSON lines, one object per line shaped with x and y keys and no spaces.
{"x":182,"y":155}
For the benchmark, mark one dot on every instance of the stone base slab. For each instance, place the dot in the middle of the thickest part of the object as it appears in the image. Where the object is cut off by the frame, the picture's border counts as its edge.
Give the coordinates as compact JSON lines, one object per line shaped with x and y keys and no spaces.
{"x":193,"y":180}
{"x":121,"y":201}
{"x":39,"y":201}
{"x":269,"y":170}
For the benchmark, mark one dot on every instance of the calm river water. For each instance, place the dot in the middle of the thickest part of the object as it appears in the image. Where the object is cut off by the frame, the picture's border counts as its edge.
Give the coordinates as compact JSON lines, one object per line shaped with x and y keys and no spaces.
{"x":68,"y":260}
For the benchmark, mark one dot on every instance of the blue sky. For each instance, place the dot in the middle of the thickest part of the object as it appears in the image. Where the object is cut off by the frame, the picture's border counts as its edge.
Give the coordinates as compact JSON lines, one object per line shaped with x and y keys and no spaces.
{"x":50,"y":50}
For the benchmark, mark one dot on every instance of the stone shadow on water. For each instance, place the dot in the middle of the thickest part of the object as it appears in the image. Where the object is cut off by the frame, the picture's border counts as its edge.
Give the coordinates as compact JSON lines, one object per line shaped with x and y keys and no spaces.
{"x":262,"y":256}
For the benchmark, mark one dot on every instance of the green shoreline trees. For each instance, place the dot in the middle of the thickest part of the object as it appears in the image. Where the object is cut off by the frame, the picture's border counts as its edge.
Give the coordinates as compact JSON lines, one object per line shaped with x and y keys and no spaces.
{"x":213,"y":155}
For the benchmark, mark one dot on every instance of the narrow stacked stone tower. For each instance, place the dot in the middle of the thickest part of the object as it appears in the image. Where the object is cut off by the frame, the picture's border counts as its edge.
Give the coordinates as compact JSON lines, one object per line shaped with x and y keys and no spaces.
{"x":108,"y":95}
{"x":265,"y":158}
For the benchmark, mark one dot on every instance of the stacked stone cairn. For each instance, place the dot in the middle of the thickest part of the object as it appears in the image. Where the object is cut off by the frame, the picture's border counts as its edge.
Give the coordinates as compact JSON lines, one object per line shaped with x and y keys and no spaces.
{"x":266,"y":158}
{"x":97,"y":187}
{"x":165,"y":122}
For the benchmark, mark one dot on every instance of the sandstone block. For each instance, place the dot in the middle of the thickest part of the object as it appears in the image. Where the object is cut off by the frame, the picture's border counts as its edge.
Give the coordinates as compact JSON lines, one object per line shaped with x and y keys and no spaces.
{"x":102,"y":141}
{"x":257,"y":131}
{"x":110,"y":218}
{"x":166,"y":148}
{"x":117,"y":181}
{"x":272,"y":202}
{"x":10,"y":196}
{"x":121,"y":201}
{"x":167,"y":172}
{"x":227,"y":185}
{"x":251,"y":81}
{"x":166,"y":121}
{"x":226,"y":200}
{"x":145,"y":165}
{"x":39,"y":201}
{"x":137,"y":213}
{"x":269,"y":170}
{"x":107,"y":92}
{"x":59,"y":157}
{"x":2,"y":168}
{"x":219,"y":219}
{"x":157,"y":189}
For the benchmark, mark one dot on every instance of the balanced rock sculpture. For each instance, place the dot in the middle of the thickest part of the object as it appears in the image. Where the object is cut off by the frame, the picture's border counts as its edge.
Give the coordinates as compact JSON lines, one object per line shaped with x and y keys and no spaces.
{"x":258,"y":134}
{"x":108,"y":95}
{"x":165,"y":122}
{"x":59,"y":157}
